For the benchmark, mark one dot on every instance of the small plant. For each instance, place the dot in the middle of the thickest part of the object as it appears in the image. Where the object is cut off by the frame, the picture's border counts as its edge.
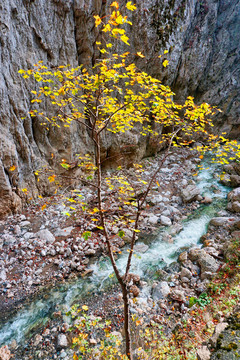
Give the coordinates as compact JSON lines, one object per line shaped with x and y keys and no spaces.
{"x":203,"y":300}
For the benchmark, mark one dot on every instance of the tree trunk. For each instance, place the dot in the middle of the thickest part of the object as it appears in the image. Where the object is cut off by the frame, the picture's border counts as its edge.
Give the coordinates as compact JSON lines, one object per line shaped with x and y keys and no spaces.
{"x":127,"y":322}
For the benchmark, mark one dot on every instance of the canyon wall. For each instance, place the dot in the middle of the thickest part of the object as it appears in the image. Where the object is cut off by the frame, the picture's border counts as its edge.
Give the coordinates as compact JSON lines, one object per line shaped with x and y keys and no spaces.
{"x":202,"y":37}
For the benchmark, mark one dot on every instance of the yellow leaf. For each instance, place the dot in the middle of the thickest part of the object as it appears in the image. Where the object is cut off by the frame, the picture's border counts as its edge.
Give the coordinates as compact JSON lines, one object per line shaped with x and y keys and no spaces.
{"x":12,"y":168}
{"x":43,"y":207}
{"x":75,"y":357}
{"x":165,"y":51}
{"x":140,"y":54}
{"x":165,"y":63}
{"x":130,"y":6}
{"x":115,"y":4}
{"x":125,"y":39}
{"x":106,"y":28}
{"x":97,"y":20}
{"x":24,"y":190}
{"x":85,"y":307}
{"x":51,"y":178}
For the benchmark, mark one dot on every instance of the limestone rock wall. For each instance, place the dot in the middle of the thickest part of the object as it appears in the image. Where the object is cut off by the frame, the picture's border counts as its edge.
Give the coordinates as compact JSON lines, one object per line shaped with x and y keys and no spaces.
{"x":203,"y":41}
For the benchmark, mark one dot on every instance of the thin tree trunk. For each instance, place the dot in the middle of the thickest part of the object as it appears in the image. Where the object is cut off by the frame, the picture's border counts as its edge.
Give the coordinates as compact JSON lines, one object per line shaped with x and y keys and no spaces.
{"x":121,"y":281}
{"x":127,"y":327}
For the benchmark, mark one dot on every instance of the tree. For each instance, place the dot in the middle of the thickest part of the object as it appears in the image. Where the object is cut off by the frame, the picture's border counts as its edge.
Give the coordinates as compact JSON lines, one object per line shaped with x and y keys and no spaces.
{"x":115,"y":97}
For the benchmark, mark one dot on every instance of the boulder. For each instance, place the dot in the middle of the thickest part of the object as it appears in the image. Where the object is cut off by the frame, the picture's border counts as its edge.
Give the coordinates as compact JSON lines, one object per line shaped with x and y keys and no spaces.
{"x":221,"y":221}
{"x":185,"y":273}
{"x":165,"y":221}
{"x":153,"y":219}
{"x":190,"y":193}
{"x":234,"y":195}
{"x":218,"y":329}
{"x":62,"y":341}
{"x":64,"y":232}
{"x":234,"y":206}
{"x":203,"y":353}
{"x":141,"y":248}
{"x":178,"y":295}
{"x":45,"y":235}
{"x":161,"y":291}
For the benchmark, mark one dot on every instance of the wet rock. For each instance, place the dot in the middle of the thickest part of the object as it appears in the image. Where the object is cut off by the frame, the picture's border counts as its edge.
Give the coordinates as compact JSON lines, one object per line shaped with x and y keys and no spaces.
{"x":167,"y":238}
{"x":234,"y":206}
{"x":45,"y":235}
{"x":190,"y":193}
{"x":206,"y":200}
{"x":175,"y":229}
{"x":62,"y":341}
{"x":161,"y":291}
{"x":234,"y":195}
{"x":141,"y":248}
{"x":183,"y":256}
{"x":222,"y":221}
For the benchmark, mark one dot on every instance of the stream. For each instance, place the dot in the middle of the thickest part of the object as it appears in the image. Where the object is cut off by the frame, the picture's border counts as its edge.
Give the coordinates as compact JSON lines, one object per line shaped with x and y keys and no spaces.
{"x":158,"y":255}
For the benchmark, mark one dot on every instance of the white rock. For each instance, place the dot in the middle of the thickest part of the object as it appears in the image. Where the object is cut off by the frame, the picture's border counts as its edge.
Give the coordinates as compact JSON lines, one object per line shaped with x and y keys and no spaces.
{"x":62,"y":341}
{"x":3,"y":275}
{"x":153,"y":219}
{"x":166,"y":221}
{"x":46,"y":235}
{"x":64,"y":232}
{"x":142,"y":248}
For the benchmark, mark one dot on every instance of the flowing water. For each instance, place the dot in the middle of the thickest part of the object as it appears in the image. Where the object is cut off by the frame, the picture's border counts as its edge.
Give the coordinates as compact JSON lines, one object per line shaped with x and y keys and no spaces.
{"x":158,"y":255}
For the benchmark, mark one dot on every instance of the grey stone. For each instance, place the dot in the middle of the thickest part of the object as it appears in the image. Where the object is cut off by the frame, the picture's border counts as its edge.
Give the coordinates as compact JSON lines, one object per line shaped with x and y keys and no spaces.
{"x":161,"y":291}
{"x":234,"y":206}
{"x":221,"y":221}
{"x":141,"y":248}
{"x":64,"y":232}
{"x":190,"y":193}
{"x":218,"y":329}
{"x":62,"y":341}
{"x":203,"y":353}
{"x":3,"y":275}
{"x":45,"y":235}
{"x":153,"y":219}
{"x":178,"y":295}
{"x":185,"y":273}
{"x":166,"y":221}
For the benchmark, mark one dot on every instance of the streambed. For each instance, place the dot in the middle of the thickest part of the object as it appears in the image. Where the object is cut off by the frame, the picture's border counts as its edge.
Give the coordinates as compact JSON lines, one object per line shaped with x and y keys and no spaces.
{"x":158,"y":255}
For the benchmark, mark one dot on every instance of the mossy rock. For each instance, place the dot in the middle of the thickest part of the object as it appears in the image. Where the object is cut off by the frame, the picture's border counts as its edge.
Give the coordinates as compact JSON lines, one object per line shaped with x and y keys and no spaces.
{"x":228,"y":344}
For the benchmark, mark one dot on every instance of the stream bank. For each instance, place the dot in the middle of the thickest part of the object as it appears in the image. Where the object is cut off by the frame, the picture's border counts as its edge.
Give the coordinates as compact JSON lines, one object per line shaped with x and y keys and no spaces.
{"x":166,"y":206}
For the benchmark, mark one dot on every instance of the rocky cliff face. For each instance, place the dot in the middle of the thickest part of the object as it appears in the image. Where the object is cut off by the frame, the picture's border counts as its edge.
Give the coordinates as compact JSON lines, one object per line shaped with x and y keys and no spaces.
{"x":203,"y":41}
